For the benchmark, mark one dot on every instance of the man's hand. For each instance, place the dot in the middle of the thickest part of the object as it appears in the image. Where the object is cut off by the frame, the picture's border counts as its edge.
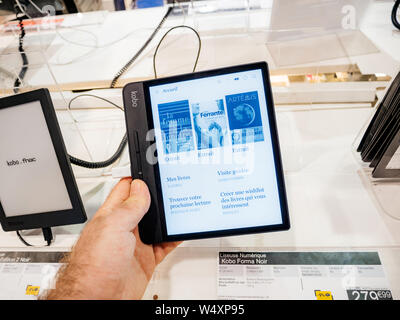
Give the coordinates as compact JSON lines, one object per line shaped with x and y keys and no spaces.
{"x":109,"y":261}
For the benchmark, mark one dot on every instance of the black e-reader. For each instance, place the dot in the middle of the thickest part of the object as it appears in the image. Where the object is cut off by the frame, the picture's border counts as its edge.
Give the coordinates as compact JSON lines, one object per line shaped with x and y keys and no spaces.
{"x":206,"y":144}
{"x":37,"y":185}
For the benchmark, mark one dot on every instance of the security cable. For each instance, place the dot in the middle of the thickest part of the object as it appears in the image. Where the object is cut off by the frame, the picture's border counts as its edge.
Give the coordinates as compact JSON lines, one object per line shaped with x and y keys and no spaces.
{"x":93,"y":96}
{"x":101,"y":164}
{"x":47,"y":235}
{"x":23,"y":240}
{"x":162,"y":39}
{"x":133,"y":59}
{"x":24,"y":68}
{"x":124,"y":141}
{"x":395,"y":9}
{"x":117,"y":153}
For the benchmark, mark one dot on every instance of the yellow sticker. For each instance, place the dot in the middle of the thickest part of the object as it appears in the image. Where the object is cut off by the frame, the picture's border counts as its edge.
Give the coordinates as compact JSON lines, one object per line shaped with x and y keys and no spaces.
{"x":32,"y":290}
{"x":323,"y":295}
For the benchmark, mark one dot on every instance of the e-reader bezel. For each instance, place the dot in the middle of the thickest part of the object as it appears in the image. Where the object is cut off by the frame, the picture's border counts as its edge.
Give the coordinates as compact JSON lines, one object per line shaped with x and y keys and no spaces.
{"x":52,"y":218}
{"x":157,"y":191}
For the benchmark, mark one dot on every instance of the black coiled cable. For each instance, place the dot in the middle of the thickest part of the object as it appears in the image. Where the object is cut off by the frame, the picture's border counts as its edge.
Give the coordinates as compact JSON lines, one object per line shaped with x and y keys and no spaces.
{"x":132,"y":60}
{"x":24,"y":58}
{"x":124,"y":141}
{"x":395,"y":21}
{"x":114,"y":157}
{"x":101,"y":164}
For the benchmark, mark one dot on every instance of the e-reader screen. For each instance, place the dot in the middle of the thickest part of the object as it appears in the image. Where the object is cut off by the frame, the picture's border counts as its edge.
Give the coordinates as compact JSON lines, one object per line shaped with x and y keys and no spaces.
{"x":31,"y":178}
{"x":217,"y":155}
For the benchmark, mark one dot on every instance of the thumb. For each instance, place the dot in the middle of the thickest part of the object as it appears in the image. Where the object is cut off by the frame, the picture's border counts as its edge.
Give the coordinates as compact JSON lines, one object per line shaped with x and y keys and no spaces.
{"x":132,"y":210}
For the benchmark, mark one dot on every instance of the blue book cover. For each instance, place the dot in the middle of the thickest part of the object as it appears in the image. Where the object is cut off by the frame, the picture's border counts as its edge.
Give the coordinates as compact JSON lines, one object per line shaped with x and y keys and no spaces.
{"x":209,"y":121}
{"x":176,"y":126}
{"x":244,"y":117}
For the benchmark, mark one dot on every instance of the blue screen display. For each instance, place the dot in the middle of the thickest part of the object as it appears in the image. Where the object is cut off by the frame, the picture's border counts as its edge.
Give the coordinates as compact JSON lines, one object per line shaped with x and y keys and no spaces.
{"x":215,"y":153}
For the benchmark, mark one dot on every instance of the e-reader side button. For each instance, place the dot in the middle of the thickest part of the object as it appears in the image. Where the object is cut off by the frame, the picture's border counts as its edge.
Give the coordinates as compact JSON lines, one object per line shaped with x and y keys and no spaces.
{"x":138,"y":156}
{"x":139,"y":161}
{"x":136,"y":141}
{"x":137,"y":169}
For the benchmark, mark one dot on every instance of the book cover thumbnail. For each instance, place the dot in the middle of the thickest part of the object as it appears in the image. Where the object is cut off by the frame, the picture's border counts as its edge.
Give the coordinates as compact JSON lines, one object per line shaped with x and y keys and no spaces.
{"x":176,"y":126}
{"x":209,"y":120}
{"x":244,"y":117}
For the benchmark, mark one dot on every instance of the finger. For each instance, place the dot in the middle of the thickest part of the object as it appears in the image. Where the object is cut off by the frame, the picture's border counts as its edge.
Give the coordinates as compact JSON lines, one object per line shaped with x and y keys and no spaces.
{"x":136,"y":233}
{"x":118,"y":194}
{"x":161,"y":250}
{"x":169,"y":246}
{"x":132,"y":210}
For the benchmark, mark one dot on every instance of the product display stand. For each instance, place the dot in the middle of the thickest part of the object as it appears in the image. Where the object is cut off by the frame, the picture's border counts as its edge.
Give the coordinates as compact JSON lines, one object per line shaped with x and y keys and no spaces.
{"x":383,"y":181}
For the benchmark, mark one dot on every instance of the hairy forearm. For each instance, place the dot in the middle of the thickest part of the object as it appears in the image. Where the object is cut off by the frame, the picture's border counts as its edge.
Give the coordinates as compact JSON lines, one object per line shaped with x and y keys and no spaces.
{"x":66,"y":285}
{"x":109,"y":261}
{"x":79,"y":281}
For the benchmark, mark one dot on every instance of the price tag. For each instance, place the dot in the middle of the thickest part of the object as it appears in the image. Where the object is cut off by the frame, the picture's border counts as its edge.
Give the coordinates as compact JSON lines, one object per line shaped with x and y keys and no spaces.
{"x":358,"y":294}
{"x":302,"y":275}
